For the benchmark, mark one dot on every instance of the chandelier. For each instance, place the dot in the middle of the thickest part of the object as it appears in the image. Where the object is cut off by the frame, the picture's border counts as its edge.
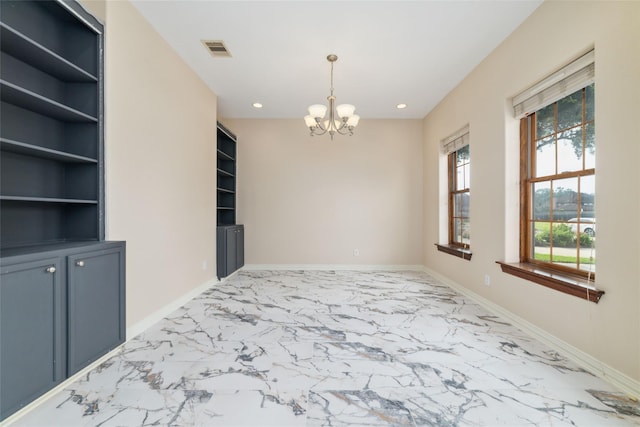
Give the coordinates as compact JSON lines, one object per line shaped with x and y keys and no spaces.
{"x":344,"y":124}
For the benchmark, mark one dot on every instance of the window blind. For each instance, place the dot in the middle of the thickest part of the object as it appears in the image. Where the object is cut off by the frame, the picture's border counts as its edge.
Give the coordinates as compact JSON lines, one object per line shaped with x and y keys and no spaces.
{"x":456,"y":141}
{"x":564,"y":82}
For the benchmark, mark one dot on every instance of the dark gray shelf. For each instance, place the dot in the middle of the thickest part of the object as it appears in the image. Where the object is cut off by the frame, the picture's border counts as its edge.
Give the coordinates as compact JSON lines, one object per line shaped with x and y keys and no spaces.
{"x":44,"y":153}
{"x":224,"y":172}
{"x":224,"y":190}
{"x":59,"y":245}
{"x":226,"y":132}
{"x":39,"y":104}
{"x":29,"y":51}
{"x":225,"y":208}
{"x":47,"y":200}
{"x":224,"y":155}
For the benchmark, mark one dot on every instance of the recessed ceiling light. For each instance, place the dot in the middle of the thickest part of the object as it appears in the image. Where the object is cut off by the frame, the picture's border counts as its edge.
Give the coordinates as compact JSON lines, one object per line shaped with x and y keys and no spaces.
{"x":257,"y":105}
{"x":401,"y":106}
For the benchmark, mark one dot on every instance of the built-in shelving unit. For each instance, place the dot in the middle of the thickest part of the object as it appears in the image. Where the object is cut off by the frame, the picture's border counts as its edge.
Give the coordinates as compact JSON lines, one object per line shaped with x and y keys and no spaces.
{"x":230,"y":236}
{"x":226,"y":187}
{"x":51,"y":183}
{"x":62,"y":287}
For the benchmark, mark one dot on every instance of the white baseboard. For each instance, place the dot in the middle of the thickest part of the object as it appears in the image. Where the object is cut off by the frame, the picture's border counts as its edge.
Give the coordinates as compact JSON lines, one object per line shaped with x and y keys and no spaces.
{"x":584,"y":360}
{"x":334,"y":267}
{"x":144,"y":324}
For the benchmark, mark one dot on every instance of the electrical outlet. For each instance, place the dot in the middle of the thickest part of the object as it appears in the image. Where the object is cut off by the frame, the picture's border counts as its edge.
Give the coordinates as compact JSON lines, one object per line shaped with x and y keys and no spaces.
{"x":204,"y":264}
{"x":487,"y":280}
{"x":356,"y":252}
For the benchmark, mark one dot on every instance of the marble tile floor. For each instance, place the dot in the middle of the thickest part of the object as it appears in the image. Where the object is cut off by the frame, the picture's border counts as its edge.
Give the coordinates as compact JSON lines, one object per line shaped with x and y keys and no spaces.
{"x":335,"y":348}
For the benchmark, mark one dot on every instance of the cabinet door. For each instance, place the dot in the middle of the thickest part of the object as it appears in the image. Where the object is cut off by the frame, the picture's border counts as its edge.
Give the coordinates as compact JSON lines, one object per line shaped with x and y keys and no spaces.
{"x":231,"y":249}
{"x":239,"y":247}
{"x":221,"y":252}
{"x":96,"y":305}
{"x":31,"y":331}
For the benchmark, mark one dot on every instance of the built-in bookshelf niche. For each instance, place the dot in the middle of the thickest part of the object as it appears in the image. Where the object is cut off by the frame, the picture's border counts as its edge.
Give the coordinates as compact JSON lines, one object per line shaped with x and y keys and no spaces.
{"x":51,"y":173}
{"x":226,"y":176}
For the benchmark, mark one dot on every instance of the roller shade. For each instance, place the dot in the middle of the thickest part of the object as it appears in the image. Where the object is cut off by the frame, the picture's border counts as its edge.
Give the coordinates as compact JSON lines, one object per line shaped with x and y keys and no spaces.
{"x":456,"y":141}
{"x":572,"y":77}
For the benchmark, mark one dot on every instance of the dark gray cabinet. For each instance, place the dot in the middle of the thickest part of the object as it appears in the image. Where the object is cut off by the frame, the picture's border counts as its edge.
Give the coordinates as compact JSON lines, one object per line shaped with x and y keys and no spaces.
{"x":96,"y":317}
{"x":230,"y":249}
{"x":61,"y":309}
{"x":31,"y":339}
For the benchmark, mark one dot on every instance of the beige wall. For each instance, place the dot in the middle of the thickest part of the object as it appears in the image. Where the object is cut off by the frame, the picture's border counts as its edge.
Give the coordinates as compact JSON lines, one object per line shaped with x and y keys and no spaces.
{"x":160,"y":162}
{"x":555,"y":33}
{"x":307,"y":200}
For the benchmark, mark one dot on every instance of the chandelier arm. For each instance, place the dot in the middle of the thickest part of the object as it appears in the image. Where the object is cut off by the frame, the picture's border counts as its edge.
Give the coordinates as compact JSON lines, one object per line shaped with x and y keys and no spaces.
{"x":314,"y":131}
{"x":343,"y":125}
{"x":345,"y":130}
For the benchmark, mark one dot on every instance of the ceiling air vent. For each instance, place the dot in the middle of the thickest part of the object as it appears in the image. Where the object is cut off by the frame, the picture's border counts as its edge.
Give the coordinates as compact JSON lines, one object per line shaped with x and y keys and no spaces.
{"x":216,"y":48}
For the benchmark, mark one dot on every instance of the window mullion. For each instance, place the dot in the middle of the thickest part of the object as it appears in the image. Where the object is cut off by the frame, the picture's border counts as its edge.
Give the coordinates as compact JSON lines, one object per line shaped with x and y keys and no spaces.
{"x":452,"y":184}
{"x":555,"y":135}
{"x":526,"y":159}
{"x":563,"y":175}
{"x":584,"y":128}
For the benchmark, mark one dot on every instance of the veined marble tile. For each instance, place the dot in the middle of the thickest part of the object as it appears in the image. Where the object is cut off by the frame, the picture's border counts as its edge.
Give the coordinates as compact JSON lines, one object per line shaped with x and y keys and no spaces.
{"x":449,"y":406}
{"x":130,"y":407}
{"x":357,"y":408}
{"x":335,"y":348}
{"x":245,"y":407}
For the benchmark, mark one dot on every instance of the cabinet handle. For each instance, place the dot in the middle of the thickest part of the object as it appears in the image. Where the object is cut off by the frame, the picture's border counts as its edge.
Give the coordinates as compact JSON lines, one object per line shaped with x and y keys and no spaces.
{"x":51,"y":270}
{"x":80,"y":263}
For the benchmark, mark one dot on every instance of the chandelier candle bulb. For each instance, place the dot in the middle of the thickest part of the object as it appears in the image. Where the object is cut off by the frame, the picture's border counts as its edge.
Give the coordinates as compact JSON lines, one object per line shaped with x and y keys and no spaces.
{"x":343,"y":125}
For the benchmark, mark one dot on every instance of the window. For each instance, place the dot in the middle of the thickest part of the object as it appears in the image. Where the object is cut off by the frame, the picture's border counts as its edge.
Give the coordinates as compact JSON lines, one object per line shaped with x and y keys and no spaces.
{"x":557,"y":181}
{"x":459,"y":226}
{"x":456,"y":148}
{"x":559,"y":186}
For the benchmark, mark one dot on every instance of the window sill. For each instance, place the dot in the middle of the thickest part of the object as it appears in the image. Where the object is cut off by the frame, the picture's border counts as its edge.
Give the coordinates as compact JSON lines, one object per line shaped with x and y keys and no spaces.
{"x":569,"y":284}
{"x":455,"y":251}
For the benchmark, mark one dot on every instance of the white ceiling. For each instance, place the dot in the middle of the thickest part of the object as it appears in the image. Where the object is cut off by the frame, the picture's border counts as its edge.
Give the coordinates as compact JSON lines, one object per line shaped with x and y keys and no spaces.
{"x":389,"y":52}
